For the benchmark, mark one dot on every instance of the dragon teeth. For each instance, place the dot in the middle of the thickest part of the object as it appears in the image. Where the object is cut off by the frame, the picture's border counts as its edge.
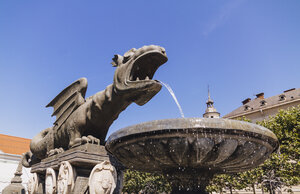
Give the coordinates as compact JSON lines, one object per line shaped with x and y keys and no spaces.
{"x":137,"y":79}
{"x":147,"y":78}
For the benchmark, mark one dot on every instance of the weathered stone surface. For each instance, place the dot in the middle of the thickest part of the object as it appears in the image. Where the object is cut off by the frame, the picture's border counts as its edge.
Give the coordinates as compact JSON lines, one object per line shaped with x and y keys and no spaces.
{"x":191,"y":150}
{"x":80,"y":120}
{"x":66,"y":178}
{"x":74,"y":145}
{"x":50,"y":181}
{"x":35,"y":184}
{"x":103,"y":179}
{"x":74,"y":167}
{"x":83,"y":157}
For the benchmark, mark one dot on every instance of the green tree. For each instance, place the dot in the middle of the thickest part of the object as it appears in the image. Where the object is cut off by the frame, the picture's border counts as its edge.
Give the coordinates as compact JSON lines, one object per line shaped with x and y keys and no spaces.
{"x":283,"y":167}
{"x":135,"y":182}
{"x":249,"y":179}
{"x":223,"y":182}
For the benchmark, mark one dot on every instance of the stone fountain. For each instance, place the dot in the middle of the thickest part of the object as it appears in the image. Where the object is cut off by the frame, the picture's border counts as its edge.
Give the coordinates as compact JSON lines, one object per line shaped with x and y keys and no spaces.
{"x":189,"y":151}
{"x":70,"y":156}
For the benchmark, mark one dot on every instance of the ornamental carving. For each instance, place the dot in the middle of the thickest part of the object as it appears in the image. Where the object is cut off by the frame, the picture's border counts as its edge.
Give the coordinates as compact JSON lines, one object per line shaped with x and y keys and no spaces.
{"x":66,"y":178}
{"x":103,"y":179}
{"x":50,"y":181}
{"x":33,"y":184}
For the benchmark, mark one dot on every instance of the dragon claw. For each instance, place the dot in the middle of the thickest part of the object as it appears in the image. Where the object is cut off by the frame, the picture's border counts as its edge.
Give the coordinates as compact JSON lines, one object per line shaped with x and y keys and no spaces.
{"x":93,"y":140}
{"x":84,"y":140}
{"x":97,"y":141}
{"x":55,"y":151}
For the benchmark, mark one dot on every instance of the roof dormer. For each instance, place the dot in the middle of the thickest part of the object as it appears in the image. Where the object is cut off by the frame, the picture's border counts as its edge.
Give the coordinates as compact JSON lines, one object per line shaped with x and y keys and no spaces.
{"x":282,"y":97}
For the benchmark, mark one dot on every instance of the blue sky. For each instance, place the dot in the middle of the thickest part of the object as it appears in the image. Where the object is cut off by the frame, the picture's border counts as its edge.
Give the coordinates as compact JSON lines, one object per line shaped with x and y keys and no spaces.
{"x":238,"y":47}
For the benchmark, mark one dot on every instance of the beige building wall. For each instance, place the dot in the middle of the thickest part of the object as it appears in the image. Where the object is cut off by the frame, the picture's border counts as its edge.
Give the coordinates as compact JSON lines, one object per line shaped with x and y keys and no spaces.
{"x":262,"y":108}
{"x":265,"y":113}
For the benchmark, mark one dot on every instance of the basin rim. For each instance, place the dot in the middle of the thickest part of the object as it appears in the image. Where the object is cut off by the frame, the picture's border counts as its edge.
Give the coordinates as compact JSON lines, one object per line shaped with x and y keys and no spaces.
{"x":122,"y":144}
{"x":190,"y":123}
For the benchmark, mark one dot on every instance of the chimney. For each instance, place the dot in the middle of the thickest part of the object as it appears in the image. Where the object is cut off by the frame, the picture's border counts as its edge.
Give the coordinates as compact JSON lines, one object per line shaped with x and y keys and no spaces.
{"x":246,"y":101}
{"x":260,"y":95}
{"x":289,"y":90}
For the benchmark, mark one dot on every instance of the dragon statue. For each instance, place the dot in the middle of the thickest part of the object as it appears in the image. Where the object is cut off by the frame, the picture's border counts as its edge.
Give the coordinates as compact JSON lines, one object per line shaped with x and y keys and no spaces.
{"x":80,"y":120}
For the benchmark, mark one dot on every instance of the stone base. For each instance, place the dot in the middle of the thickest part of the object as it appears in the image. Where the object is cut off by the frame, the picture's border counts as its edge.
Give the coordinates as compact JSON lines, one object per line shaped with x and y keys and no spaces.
{"x":82,"y":160}
{"x":14,"y":188}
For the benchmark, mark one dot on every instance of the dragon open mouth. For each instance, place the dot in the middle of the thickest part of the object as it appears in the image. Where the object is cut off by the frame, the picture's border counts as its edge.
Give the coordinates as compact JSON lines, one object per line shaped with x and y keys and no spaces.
{"x":145,"y":66}
{"x":135,"y":71}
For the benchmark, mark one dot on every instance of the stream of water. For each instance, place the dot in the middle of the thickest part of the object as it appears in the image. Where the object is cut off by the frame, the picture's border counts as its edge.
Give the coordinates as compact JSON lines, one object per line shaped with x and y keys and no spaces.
{"x":174,"y":97}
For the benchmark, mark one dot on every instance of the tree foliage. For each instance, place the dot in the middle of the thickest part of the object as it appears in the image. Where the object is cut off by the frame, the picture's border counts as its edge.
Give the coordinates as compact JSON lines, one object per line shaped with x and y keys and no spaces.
{"x":135,"y":182}
{"x":281,"y":169}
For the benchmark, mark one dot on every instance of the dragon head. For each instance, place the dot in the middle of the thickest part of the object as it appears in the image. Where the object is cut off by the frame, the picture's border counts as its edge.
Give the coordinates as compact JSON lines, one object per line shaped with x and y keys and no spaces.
{"x":134,"y":73}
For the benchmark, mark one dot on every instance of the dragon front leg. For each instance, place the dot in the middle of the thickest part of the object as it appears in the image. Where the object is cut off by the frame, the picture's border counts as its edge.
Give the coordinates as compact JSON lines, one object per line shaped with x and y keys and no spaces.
{"x":75,"y":137}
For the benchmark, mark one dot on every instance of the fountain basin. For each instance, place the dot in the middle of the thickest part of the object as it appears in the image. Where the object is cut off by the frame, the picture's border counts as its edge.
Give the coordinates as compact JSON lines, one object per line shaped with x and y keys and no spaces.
{"x":192,"y":150}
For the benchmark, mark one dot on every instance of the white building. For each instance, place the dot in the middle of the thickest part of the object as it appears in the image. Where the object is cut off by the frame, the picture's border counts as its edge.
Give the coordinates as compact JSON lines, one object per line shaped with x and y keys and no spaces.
{"x":11,"y":149}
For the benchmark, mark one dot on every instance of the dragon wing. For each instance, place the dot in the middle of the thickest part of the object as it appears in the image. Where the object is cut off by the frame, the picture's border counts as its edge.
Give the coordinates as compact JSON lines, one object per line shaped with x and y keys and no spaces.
{"x":68,"y":100}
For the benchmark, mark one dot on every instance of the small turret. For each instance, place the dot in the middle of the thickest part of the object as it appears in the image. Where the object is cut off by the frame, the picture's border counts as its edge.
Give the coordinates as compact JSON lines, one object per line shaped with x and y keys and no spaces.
{"x":211,"y":111}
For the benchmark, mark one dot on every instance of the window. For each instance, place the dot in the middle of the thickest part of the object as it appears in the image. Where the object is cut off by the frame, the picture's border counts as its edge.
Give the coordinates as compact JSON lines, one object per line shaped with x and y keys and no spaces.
{"x":282,"y":97}
{"x":246,"y":108}
{"x":263,"y":103}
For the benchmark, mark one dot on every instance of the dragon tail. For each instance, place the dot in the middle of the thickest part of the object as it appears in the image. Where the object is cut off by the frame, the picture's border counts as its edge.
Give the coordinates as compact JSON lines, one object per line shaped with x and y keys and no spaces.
{"x":28,"y":159}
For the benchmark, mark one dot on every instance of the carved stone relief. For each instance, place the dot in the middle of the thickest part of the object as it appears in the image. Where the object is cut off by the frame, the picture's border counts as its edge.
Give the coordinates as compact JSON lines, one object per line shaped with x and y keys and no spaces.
{"x":103,"y":179}
{"x":50,"y":181}
{"x":33,"y":184}
{"x":66,"y":178}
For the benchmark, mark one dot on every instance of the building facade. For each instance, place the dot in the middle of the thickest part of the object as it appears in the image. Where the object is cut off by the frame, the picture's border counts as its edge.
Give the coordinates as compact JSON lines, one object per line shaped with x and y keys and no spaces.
{"x":11,"y":150}
{"x":262,"y":108}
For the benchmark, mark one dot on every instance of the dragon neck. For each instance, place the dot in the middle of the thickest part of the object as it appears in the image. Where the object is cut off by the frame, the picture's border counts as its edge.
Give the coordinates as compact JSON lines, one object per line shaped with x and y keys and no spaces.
{"x":107,"y":105}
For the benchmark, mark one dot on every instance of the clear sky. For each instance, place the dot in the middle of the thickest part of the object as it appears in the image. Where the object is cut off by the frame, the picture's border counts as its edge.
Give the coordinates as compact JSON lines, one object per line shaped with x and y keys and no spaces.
{"x":238,"y":47}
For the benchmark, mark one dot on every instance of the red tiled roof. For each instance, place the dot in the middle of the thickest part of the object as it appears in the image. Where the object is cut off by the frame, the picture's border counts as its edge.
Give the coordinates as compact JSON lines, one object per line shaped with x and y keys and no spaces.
{"x":14,"y":145}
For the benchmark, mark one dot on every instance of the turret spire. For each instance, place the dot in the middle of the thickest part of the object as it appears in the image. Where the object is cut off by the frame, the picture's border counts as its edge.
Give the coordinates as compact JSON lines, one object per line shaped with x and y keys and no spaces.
{"x":211,"y":111}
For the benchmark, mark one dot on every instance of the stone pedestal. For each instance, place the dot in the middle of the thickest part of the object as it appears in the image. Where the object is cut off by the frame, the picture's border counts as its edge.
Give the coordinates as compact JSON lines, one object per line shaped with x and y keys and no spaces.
{"x":71,"y":171}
